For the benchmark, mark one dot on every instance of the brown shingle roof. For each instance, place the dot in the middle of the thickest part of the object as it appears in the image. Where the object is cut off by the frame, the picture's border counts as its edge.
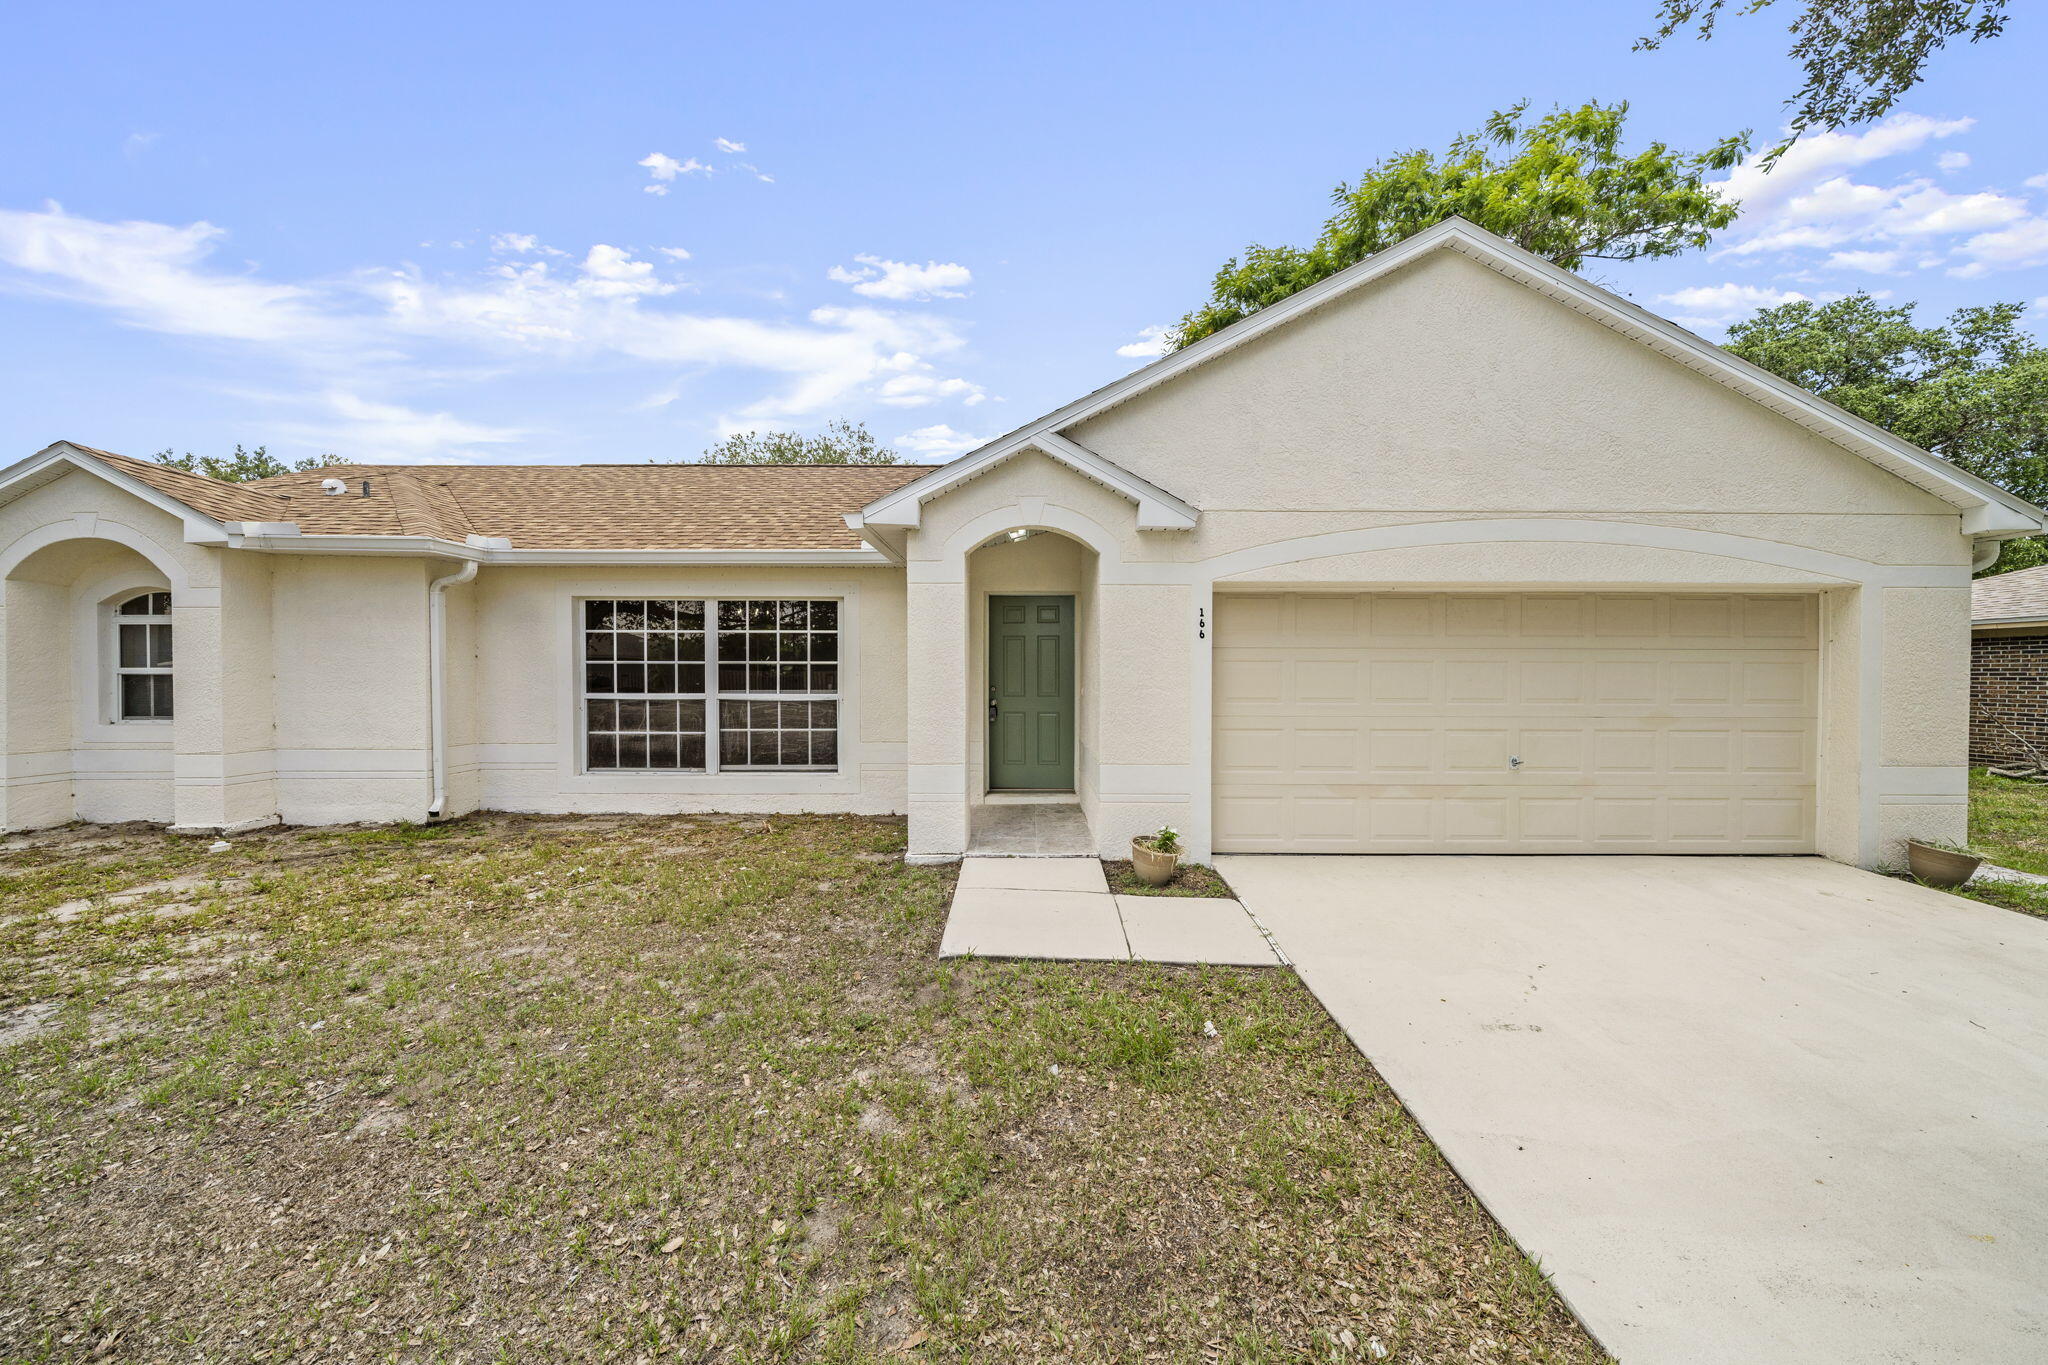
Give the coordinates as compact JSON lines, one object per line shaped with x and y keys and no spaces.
{"x":2021,"y":595}
{"x":566,"y":507}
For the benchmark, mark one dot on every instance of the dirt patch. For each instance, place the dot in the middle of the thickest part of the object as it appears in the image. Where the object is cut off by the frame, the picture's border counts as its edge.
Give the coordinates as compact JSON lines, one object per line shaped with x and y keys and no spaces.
{"x":24,"y":1022}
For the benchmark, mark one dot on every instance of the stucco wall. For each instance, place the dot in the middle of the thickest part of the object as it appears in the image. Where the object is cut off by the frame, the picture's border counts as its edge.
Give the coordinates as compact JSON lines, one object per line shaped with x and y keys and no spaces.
{"x":1449,"y":428}
{"x":527,"y":748}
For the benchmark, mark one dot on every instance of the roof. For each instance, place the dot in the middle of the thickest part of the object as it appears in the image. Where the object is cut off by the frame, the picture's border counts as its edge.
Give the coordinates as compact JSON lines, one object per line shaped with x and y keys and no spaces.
{"x":2019,"y":596}
{"x":543,"y":507}
{"x":1989,"y":512}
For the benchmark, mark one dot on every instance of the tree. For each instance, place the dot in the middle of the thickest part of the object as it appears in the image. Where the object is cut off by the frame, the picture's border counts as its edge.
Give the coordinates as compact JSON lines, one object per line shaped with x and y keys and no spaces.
{"x":1565,"y":190}
{"x":1860,"y":56}
{"x":1974,"y":391}
{"x":243,"y":465}
{"x":842,"y":442}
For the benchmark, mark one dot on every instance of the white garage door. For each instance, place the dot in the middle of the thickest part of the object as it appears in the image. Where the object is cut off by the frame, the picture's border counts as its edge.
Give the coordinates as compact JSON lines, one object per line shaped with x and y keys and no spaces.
{"x":1515,"y":723}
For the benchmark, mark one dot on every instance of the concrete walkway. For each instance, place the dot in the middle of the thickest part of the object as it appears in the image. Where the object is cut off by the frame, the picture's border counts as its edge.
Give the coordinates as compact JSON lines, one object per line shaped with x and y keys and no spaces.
{"x":1742,"y":1109}
{"x":1061,"y":908}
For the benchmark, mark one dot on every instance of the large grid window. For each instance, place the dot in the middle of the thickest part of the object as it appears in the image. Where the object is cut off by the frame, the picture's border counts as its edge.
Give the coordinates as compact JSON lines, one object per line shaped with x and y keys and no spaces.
{"x":710,"y":685}
{"x":142,"y":657}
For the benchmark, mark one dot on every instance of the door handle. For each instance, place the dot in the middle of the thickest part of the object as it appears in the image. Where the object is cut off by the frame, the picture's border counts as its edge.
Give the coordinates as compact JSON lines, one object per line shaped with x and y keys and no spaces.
{"x":1514,"y":760}
{"x":991,"y":710}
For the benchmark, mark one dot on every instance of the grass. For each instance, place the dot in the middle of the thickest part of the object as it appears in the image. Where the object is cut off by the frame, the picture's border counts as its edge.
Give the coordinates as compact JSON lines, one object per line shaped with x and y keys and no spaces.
{"x":1190,"y":879}
{"x":2009,"y":827}
{"x":679,"y":1089}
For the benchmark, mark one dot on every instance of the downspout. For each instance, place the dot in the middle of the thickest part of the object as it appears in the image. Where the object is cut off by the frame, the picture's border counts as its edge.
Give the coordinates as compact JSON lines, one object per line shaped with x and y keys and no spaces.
{"x":437,"y":678}
{"x":1987,"y":555}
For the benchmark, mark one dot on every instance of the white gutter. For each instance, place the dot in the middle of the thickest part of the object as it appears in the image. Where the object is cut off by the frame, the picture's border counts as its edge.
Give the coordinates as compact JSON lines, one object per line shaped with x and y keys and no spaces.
{"x":437,"y":678}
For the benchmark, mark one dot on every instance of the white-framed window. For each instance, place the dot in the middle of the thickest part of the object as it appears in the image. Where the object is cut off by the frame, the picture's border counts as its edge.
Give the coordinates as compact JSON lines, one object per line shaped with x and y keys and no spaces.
{"x":710,"y":684}
{"x":140,"y":625}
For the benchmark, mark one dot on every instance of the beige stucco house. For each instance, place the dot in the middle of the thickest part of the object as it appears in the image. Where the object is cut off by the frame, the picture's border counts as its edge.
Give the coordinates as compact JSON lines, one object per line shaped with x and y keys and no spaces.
{"x":1453,"y":552}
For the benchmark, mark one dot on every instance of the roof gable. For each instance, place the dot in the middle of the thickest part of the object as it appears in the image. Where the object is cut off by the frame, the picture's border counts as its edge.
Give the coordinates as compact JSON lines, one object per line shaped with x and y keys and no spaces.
{"x":1988,"y":511}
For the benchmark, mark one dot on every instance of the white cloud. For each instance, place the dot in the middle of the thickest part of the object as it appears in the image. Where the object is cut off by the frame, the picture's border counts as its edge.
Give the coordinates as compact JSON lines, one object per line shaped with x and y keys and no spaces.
{"x":1921,"y":210}
{"x":152,"y":276}
{"x":1952,"y":161}
{"x":1872,"y":262}
{"x":1720,"y":304}
{"x":726,"y":144}
{"x":751,"y":169}
{"x":901,"y":280}
{"x":386,"y":326}
{"x":1151,"y":342}
{"x":514,"y":243}
{"x":674,"y":253}
{"x":2022,"y":244}
{"x":939,"y":441}
{"x":2036,"y":182}
{"x":1823,"y":156}
{"x":361,"y":429}
{"x":664,"y":170}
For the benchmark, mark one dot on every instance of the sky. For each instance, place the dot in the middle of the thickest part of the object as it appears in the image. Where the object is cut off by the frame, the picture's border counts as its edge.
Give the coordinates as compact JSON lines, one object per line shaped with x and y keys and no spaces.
{"x":519,"y":233}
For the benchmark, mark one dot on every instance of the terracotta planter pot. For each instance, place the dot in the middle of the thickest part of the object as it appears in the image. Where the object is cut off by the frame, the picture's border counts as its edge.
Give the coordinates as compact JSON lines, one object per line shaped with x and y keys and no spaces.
{"x":1153,"y":867}
{"x":1940,"y":866}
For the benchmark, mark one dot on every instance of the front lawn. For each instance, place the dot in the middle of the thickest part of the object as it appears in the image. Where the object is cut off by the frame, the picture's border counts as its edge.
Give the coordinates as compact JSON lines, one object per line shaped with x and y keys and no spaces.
{"x":2009,"y":826}
{"x":679,"y":1089}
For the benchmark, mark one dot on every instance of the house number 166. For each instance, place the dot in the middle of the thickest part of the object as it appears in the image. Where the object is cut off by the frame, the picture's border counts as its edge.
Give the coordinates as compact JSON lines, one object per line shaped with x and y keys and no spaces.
{"x":1201,"y":623}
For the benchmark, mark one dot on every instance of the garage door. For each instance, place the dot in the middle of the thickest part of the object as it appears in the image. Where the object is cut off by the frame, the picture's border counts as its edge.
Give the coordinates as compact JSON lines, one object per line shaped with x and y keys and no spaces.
{"x":1515,"y":723}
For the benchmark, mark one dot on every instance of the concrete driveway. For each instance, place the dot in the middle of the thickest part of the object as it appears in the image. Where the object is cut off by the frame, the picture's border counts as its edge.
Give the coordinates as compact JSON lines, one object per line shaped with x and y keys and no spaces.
{"x":1742,"y":1109}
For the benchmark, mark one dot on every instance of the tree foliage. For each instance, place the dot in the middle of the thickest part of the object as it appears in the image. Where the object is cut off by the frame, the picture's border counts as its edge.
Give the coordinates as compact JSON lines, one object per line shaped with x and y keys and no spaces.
{"x":842,"y":442}
{"x":1559,"y":185}
{"x":1859,"y":56}
{"x":1974,"y":391}
{"x":244,"y":465}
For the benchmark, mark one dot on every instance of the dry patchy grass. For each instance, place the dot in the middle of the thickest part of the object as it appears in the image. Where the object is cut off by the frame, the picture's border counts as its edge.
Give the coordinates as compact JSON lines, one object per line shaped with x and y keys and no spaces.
{"x":680,"y":1089}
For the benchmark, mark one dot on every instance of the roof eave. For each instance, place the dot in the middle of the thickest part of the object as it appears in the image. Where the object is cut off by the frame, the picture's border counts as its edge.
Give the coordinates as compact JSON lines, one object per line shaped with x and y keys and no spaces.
{"x":54,"y":460}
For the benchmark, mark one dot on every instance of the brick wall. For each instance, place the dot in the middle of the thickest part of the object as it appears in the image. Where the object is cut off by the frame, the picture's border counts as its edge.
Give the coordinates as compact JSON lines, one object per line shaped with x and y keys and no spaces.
{"x":2009,"y":699}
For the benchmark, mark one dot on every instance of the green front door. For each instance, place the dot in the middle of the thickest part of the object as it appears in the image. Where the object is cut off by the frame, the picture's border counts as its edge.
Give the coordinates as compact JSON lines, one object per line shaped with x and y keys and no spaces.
{"x":1031,"y":693}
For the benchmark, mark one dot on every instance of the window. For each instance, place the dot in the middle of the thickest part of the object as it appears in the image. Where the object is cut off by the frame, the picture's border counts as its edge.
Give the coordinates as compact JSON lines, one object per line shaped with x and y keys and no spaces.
{"x":142,"y":657}
{"x":711,"y":685}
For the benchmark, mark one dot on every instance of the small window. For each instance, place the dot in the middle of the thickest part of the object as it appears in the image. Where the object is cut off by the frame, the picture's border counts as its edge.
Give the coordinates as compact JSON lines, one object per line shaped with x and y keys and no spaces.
{"x":142,"y":657}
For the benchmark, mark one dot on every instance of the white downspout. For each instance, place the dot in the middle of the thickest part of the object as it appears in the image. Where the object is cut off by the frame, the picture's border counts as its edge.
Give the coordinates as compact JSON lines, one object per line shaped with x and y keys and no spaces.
{"x":1987,"y":555}
{"x":437,"y":678}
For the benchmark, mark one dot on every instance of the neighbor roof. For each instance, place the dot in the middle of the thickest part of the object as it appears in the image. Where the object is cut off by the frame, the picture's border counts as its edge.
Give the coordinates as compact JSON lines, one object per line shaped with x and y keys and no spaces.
{"x":550,"y":507}
{"x":2010,"y":597}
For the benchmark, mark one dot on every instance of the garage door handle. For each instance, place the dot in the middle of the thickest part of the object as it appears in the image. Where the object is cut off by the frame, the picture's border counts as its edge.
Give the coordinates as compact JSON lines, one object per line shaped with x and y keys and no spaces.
{"x":1514,"y":760}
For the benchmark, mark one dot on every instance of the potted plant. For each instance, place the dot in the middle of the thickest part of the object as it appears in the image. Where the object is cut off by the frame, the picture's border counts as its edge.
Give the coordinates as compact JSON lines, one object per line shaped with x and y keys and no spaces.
{"x":1155,"y":857}
{"x":1940,"y":864}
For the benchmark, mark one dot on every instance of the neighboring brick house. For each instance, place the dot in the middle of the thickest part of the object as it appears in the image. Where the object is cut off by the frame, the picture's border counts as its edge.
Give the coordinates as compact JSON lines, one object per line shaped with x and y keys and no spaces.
{"x":2009,"y":668}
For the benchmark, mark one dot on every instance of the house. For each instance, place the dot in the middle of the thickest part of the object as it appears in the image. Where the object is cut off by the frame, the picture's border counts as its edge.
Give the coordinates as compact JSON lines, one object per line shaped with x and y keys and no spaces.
{"x":1452,"y":552}
{"x":2009,"y":669}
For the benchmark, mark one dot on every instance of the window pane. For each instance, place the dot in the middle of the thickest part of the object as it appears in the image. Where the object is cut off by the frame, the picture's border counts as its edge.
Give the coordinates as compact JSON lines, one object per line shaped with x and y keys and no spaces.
{"x":597,"y":615}
{"x":598,"y":678}
{"x":824,"y":616}
{"x":661,"y":677}
{"x":597,"y":644}
{"x":632,"y":715}
{"x":631,"y":678}
{"x":761,"y":615}
{"x":732,"y":677}
{"x":796,"y":646}
{"x":761,"y":747}
{"x":690,"y":716}
{"x":690,"y":752}
{"x":661,"y":715}
{"x":632,"y":751}
{"x":604,"y":715}
{"x":796,"y":748}
{"x":824,"y":648}
{"x":137,"y":702}
{"x":824,"y":679}
{"x":690,"y":645}
{"x":793,"y":615}
{"x":661,"y":645}
{"x":603,"y":752}
{"x":824,"y":715}
{"x":825,"y":748}
{"x":690,"y":615}
{"x":732,"y":616}
{"x":631,"y":644}
{"x":661,"y":615}
{"x":689,"y":677}
{"x":134,"y":646}
{"x":159,"y":646}
{"x":732,"y":748}
{"x":661,"y":751}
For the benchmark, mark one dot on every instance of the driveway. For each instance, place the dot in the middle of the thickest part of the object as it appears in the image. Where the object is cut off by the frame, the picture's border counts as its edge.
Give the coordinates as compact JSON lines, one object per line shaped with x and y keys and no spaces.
{"x":1742,"y":1109}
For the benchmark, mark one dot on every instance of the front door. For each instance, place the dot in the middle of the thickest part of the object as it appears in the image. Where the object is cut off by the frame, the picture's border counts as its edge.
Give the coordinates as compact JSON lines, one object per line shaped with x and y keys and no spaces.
{"x":1031,"y":693}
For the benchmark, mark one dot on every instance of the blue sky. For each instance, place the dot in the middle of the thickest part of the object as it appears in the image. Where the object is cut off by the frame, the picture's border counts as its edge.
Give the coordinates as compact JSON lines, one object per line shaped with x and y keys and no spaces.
{"x":526,"y":233}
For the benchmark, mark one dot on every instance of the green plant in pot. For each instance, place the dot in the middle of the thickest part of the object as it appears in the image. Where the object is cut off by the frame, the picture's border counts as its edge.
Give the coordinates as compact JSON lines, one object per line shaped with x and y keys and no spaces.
{"x":1940,"y":864}
{"x":1156,"y":857}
